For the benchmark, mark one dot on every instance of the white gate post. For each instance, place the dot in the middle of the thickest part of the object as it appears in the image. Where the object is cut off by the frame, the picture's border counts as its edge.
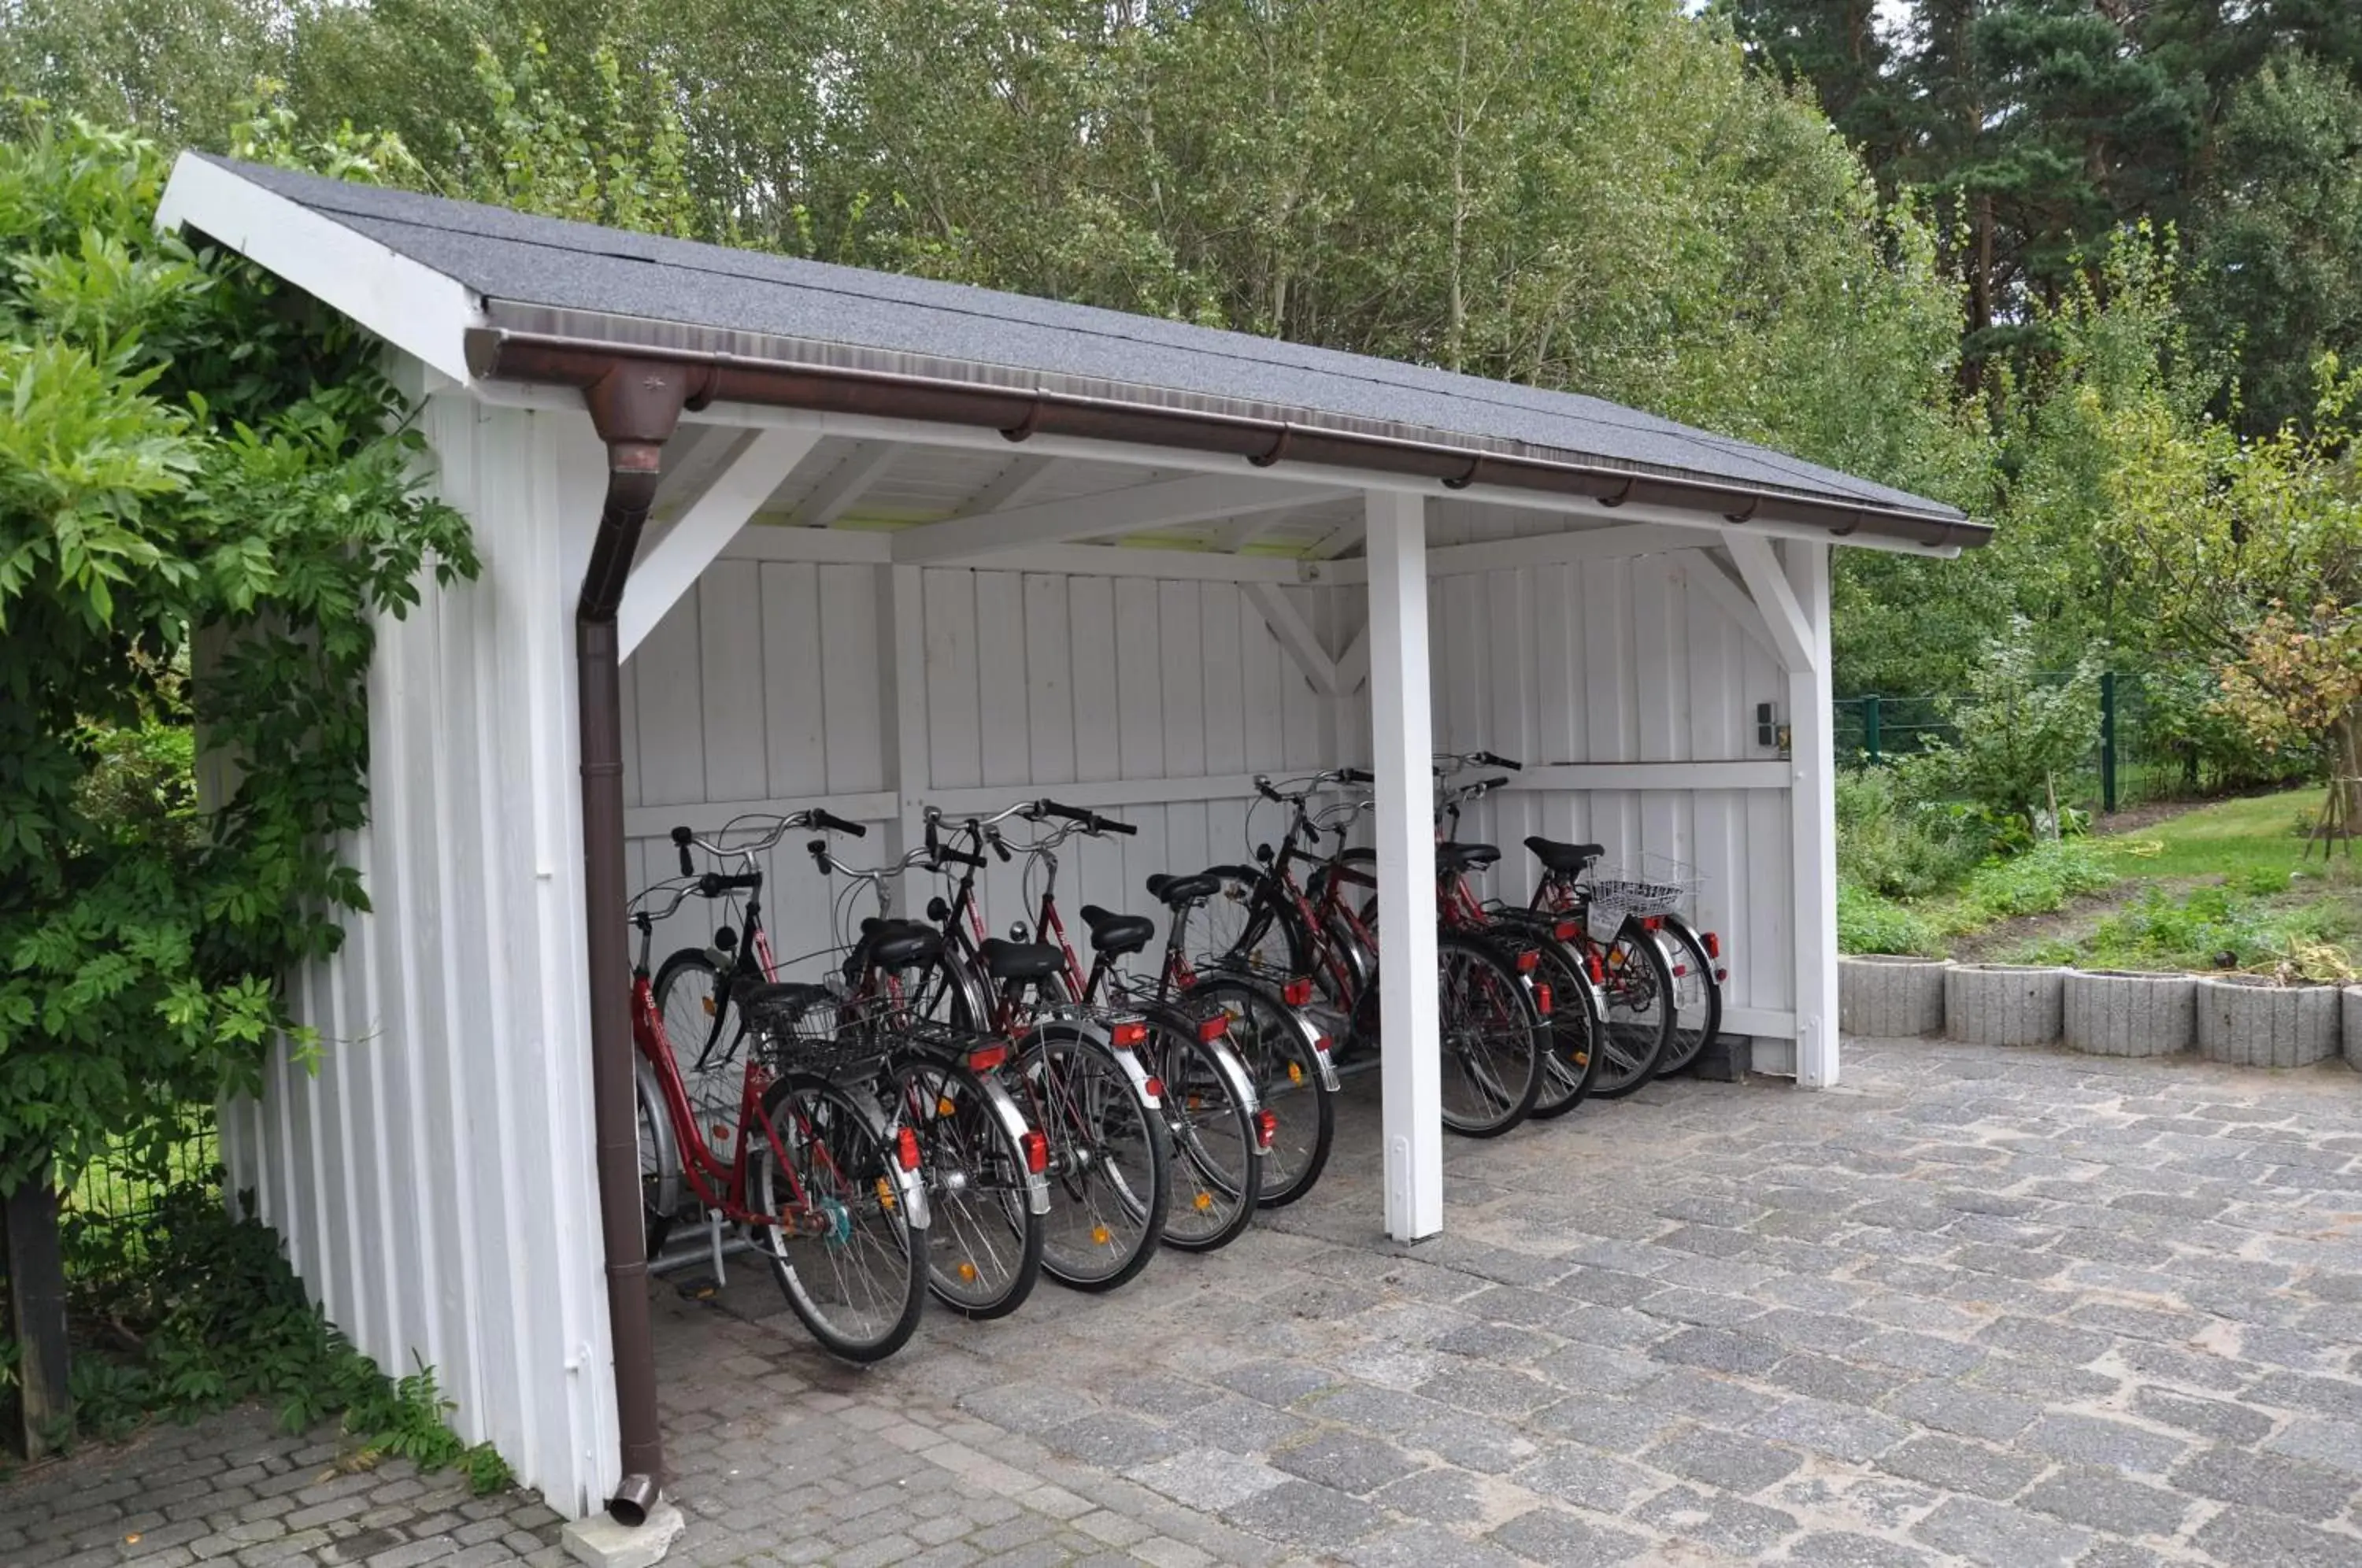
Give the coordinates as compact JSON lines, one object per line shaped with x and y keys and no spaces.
{"x":1813,"y":799}
{"x":1402,"y":758}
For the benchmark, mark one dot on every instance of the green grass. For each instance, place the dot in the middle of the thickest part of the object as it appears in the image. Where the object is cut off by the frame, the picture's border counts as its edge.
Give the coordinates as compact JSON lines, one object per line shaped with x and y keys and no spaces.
{"x":2242,"y":840}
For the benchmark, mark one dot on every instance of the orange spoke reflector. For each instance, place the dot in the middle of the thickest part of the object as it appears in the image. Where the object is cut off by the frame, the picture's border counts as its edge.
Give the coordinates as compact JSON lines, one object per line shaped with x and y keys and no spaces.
{"x":1542,"y":998}
{"x":906,"y":1149}
{"x":1132,"y":1031}
{"x":1101,"y":1235}
{"x":1037,"y":1152}
{"x":720,"y":1133}
{"x":1580,"y":1058}
{"x":943,"y":1107}
{"x":1196,"y":1102}
{"x":985,"y":1058}
{"x":1214,"y":1028}
{"x":1297,"y":992}
{"x":1204,"y":1201}
{"x":1528,"y":960}
{"x":1295,"y":1073}
{"x":707,"y":1004}
{"x":884,"y":1194}
{"x":967,"y":1271}
{"x":1266,"y":1127}
{"x":1713,"y":946}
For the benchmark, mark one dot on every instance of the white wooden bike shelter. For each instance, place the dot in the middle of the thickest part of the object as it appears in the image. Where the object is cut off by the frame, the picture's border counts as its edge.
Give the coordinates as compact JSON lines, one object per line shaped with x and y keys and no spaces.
{"x":1177,"y":559}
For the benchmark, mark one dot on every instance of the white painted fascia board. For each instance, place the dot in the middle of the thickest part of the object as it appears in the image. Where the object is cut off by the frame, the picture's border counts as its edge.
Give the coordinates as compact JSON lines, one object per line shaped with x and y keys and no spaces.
{"x":1165,"y":503}
{"x":418,"y":310}
{"x":1296,"y":636}
{"x":1767,"y":584}
{"x":672,"y":569}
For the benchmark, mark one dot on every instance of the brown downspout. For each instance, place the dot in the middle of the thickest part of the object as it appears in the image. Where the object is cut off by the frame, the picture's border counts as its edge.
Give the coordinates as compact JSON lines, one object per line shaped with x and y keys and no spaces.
{"x":635,"y":407}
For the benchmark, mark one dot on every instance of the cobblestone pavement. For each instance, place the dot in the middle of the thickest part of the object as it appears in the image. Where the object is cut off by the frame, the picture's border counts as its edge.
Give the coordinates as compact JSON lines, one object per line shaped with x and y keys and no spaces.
{"x":1994,"y":1307}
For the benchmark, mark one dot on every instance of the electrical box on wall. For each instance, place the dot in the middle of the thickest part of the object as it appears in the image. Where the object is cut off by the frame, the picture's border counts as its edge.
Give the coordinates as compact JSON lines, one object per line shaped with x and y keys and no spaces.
{"x":1767,"y":725}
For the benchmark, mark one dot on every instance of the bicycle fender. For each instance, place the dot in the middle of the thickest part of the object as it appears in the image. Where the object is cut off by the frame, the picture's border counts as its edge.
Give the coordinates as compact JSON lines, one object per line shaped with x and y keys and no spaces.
{"x":667,"y":1153}
{"x":1011,"y":1117}
{"x":1097,"y":1038}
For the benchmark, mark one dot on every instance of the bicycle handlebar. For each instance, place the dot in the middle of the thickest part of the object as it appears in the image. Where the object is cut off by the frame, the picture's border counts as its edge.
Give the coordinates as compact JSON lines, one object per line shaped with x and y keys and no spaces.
{"x":684,"y":838}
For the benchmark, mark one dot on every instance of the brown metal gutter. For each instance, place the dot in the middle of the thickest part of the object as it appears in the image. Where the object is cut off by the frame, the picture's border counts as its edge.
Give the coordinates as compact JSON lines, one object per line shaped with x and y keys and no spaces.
{"x":634,"y":406}
{"x":498,"y":353}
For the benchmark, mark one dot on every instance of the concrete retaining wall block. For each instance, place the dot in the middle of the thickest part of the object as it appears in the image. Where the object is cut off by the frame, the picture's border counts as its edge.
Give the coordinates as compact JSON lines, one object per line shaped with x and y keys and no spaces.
{"x":2003,"y":1004}
{"x":2353,"y":1030}
{"x":2250,"y":1021}
{"x":2117,"y":1013}
{"x":1885,"y":997}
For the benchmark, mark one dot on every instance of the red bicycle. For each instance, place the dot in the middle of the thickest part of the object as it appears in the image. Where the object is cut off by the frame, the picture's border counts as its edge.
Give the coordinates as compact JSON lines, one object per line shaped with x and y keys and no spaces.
{"x":825,"y":1187}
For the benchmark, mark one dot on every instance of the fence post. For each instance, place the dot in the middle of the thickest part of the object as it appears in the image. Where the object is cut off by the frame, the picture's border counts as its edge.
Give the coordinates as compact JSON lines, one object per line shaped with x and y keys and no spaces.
{"x":35,"y":1316}
{"x":1870,"y":726}
{"x":2108,"y":742}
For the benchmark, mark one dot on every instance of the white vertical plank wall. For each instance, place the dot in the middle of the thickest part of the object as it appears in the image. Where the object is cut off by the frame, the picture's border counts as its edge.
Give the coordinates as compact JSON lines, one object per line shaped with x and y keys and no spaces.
{"x":433,"y":1178}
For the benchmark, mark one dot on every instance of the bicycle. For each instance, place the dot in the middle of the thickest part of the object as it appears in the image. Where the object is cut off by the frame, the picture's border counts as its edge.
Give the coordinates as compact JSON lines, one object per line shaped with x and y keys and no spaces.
{"x":1493,"y":1022}
{"x":826,"y":1187}
{"x":1218,"y":1129}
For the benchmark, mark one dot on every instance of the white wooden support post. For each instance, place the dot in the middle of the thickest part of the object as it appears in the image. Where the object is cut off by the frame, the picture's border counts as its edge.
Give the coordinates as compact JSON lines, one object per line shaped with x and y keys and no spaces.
{"x":1813,"y":799}
{"x":1402,"y":752}
{"x":913,"y":771}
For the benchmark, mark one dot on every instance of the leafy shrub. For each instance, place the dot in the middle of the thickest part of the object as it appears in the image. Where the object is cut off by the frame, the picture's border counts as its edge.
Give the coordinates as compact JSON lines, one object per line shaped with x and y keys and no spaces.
{"x":203,"y":1312}
{"x":2021,"y":734}
{"x":1869,"y":923}
{"x":2221,"y":928}
{"x":1893,"y":844}
{"x":2038,"y":882}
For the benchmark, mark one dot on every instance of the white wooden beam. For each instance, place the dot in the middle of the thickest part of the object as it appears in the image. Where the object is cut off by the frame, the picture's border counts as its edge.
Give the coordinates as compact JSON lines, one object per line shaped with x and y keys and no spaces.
{"x":1767,"y":584}
{"x":1813,"y":810}
{"x":1239,"y":532}
{"x":1107,"y":795}
{"x":1402,"y":751}
{"x":875,"y":547}
{"x":1353,"y":664}
{"x":1295,"y":635}
{"x":1337,"y":540}
{"x":1012,"y":485}
{"x":672,"y":569}
{"x":914,"y":769}
{"x":1190,"y":499}
{"x":1652,"y":776}
{"x":848,"y":482}
{"x":1543,"y":549}
{"x":1719,"y":581}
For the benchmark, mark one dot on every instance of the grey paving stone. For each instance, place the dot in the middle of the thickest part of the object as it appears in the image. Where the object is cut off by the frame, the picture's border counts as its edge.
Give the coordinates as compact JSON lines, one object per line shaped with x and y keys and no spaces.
{"x":1243,"y":1425}
{"x":1710,"y":1398}
{"x":1918,"y":1353}
{"x":1999,"y":1536}
{"x":1727,"y":1524}
{"x":1952,"y":1465}
{"x":1843,"y":1549}
{"x":1618,"y":1426}
{"x":1826,"y":1377}
{"x":1726,"y":1460}
{"x":2107,"y":1501}
{"x":1346,"y":1461}
{"x":1586,"y":1479}
{"x":2337,"y":1444}
{"x":1950,"y":1407}
{"x":2095,"y":1440}
{"x":1438,"y":1497}
{"x":1720,"y":1350}
{"x":2266,"y":1481}
{"x":1472,"y":1442}
{"x":1561,"y":1539}
{"x":1473,"y":1386}
{"x":1208,"y":1478}
{"x":1426,"y":1546}
{"x":1303,"y":1513}
{"x":2242,"y":1536}
{"x":1276,"y":1382}
{"x":1839,"y":1431}
{"x":1113,"y":1439}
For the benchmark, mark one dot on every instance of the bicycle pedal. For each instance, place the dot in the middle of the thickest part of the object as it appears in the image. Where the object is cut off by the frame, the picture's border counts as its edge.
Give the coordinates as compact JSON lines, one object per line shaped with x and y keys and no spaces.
{"x":698,"y":1289}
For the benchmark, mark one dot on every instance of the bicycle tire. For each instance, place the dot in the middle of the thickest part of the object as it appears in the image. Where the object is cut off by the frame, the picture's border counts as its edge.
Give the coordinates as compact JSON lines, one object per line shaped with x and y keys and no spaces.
{"x":691,"y":979}
{"x":984,"y":1241}
{"x":1271,"y":1038}
{"x":660,"y":1173}
{"x":1251,"y":925}
{"x":857,"y":1195}
{"x":1697,"y":1000}
{"x":1491,"y":1033}
{"x":1108,"y":1184}
{"x":1213,"y":1169}
{"x":1637,"y":1035}
{"x":1575,"y":1025}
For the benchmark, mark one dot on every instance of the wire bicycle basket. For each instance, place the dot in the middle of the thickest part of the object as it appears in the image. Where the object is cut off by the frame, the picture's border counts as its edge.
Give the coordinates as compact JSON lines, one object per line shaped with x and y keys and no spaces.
{"x":1654,"y":885}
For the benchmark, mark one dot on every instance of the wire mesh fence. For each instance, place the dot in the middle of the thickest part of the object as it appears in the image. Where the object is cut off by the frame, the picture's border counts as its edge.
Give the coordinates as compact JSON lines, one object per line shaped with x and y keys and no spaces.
{"x":124,"y":1185}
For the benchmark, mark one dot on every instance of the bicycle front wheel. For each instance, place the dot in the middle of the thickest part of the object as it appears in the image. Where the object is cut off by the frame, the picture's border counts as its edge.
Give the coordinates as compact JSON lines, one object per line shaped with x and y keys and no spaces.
{"x":1493,"y":1039}
{"x":1640,"y":1012}
{"x":1575,"y":1027}
{"x":1106,"y":1157}
{"x":984,"y":1241}
{"x":1291,"y":1083}
{"x":838,"y":1227}
{"x":1214,"y":1168}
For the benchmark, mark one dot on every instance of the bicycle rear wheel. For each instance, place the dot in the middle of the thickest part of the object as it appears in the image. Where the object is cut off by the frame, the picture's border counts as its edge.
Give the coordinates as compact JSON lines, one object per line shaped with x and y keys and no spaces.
{"x":984,"y":1239}
{"x":1575,"y":1028}
{"x":1214,"y":1168}
{"x":1291,"y":1083}
{"x":842,"y":1239}
{"x":1696,"y":998}
{"x":1494,"y":1041}
{"x":1640,"y":1013}
{"x":1107,"y":1158}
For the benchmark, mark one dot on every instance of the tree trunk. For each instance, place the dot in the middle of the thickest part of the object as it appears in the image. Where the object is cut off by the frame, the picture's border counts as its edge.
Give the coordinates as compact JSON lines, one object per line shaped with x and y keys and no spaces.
{"x":36,"y":1406}
{"x":2346,"y":783}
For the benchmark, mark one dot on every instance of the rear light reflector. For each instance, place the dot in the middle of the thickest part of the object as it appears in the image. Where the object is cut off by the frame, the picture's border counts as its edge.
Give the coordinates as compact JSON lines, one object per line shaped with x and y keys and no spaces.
{"x":906,"y":1149}
{"x":1323,"y":1045}
{"x":1297,"y":992}
{"x":985,"y":1058}
{"x":1214,"y":1028}
{"x":1527,"y":961}
{"x":1652,"y":922}
{"x":1564,"y":930}
{"x":1713,"y":946}
{"x":1155,"y":1088}
{"x":1037,"y":1152}
{"x":1132,"y":1031}
{"x":1267,"y":1128}
{"x":1542,"y":997}
{"x":1720,"y":976}
{"x":1598,"y":970}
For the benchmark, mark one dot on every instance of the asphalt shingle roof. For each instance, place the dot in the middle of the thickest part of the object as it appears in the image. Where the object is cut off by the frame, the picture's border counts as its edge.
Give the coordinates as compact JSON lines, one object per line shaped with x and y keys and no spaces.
{"x":515,"y":260}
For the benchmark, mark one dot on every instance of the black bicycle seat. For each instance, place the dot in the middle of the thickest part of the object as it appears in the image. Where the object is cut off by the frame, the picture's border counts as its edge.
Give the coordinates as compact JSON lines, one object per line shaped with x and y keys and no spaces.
{"x":783,"y":1000}
{"x":1451,"y":857}
{"x":1569,"y":858}
{"x":1179,"y":891}
{"x":1021,"y":960}
{"x":1117,"y":935}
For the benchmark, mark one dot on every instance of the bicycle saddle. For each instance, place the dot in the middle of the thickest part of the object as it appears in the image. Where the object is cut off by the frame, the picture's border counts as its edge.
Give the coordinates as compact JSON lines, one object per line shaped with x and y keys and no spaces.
{"x":1021,"y":960}
{"x":1179,"y":891}
{"x":1570,"y":858}
{"x":784,"y":1000}
{"x":1117,"y":935}
{"x":896,"y":944}
{"x":1449,"y":857}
